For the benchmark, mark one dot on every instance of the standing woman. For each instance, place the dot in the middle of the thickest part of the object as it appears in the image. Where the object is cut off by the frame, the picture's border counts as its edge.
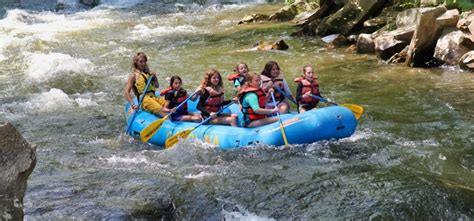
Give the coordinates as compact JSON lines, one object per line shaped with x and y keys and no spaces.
{"x":253,"y":100}
{"x":137,"y":81}
{"x":271,"y":78}
{"x":212,"y":99}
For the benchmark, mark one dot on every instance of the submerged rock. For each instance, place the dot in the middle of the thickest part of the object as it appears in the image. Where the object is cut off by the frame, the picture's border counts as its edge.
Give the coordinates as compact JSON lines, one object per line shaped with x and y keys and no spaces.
{"x":18,"y":159}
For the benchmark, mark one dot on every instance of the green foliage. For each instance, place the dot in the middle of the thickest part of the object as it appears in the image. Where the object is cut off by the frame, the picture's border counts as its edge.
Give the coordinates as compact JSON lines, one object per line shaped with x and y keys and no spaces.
{"x":462,"y":5}
{"x":406,"y":4}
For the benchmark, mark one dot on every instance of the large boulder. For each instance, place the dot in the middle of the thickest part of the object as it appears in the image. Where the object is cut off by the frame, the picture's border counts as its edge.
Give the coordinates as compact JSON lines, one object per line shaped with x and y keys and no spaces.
{"x":352,"y":15}
{"x":310,"y":27}
{"x":391,"y":43}
{"x":452,"y":45}
{"x":430,"y":23}
{"x":467,"y":61}
{"x":17,"y":161}
{"x":466,"y":23}
{"x":253,"y":18}
{"x":365,"y":44}
{"x":407,"y":17}
{"x":290,"y":11}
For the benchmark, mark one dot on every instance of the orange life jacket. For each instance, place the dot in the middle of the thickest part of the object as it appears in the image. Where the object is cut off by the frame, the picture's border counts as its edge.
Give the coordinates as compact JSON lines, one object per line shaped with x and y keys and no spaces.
{"x":312,"y":86}
{"x":236,"y":77}
{"x":214,"y":101}
{"x":178,"y":98}
{"x":277,"y":82}
{"x":262,"y":99}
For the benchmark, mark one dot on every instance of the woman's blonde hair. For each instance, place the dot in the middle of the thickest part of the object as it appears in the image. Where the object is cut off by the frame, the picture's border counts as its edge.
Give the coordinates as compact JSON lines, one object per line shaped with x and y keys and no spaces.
{"x":135,"y":61}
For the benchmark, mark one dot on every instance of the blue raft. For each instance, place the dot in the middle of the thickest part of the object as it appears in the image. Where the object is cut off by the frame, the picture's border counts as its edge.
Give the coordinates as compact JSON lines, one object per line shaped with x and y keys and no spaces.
{"x":333,"y":122}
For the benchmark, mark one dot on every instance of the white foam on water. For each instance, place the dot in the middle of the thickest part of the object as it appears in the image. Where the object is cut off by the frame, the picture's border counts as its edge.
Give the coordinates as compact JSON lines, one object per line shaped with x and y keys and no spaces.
{"x":52,"y":100}
{"x":242,"y":214}
{"x":141,"y":30}
{"x":128,"y":160}
{"x":5,"y":42}
{"x":42,"y":67}
{"x":363,"y":134}
{"x":26,"y":26}
{"x":200,"y":175}
{"x":83,"y":102}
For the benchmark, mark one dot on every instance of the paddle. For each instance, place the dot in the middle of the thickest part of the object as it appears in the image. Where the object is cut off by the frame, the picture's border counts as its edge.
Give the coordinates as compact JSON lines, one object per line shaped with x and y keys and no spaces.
{"x":151,"y":129}
{"x":357,"y":110}
{"x":286,"y":95}
{"x":283,"y":134}
{"x":139,"y":105}
{"x":185,"y":133}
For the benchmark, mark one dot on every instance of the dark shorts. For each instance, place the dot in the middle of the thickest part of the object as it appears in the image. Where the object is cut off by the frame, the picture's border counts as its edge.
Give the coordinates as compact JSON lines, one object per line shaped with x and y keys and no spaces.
{"x":178,"y":116}
{"x":307,"y":106}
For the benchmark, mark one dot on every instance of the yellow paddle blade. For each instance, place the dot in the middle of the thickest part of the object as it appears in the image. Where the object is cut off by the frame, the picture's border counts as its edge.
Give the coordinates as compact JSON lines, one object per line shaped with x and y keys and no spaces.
{"x":175,"y":138}
{"x":356,"y":109}
{"x":151,"y":129}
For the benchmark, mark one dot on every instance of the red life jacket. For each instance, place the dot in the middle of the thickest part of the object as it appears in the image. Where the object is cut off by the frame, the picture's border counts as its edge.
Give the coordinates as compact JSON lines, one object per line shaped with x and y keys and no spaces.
{"x":178,"y":98}
{"x":236,"y":77}
{"x":262,"y":99}
{"x":277,"y":82}
{"x":312,"y":86}
{"x":214,"y":101}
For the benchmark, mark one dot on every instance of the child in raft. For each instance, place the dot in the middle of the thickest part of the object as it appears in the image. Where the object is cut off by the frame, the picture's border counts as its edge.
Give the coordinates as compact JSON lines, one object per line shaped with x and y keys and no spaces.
{"x":273,"y":81}
{"x":253,"y":100}
{"x":307,"y":85}
{"x":174,"y":96}
{"x":239,"y":75}
{"x":211,"y":99}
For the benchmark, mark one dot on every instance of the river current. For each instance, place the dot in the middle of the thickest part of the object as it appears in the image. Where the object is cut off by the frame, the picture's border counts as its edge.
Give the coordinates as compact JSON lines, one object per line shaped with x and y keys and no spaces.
{"x":61,"y":82}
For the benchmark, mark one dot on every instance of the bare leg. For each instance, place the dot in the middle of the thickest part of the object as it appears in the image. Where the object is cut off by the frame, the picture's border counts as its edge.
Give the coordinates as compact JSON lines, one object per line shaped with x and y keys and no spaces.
{"x":302,"y":110}
{"x":283,"y":107}
{"x":263,"y":121}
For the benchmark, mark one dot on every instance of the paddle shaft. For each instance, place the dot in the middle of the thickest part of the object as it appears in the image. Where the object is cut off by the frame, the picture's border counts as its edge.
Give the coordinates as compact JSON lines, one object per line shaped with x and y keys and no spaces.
{"x":286,"y":95}
{"x":140,"y":100}
{"x":173,"y":139}
{"x":152,"y":128}
{"x":323,"y":99}
{"x":283,"y":134}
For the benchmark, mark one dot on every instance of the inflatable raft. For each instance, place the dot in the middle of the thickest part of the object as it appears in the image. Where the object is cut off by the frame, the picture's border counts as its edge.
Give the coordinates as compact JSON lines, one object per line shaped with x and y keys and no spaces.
{"x":333,"y":122}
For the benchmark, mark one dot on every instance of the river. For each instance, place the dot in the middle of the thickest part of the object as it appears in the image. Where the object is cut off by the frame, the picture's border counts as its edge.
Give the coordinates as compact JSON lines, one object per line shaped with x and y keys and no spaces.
{"x":61,"y":82}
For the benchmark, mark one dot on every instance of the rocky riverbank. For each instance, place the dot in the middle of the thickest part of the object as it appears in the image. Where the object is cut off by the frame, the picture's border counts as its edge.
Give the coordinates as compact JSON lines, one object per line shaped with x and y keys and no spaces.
{"x":419,"y":37}
{"x":18,"y":159}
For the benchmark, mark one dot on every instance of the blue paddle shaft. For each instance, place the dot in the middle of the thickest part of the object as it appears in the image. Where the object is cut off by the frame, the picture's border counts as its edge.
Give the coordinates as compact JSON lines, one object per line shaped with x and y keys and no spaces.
{"x":210,"y":117}
{"x":139,"y":104}
{"x":323,"y":99}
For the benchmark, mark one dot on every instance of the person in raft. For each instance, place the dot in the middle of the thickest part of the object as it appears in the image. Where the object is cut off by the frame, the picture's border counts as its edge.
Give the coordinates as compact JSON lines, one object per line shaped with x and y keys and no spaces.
{"x":137,"y":81}
{"x":272,"y":78}
{"x":211,"y":99}
{"x":253,"y":101}
{"x":174,"y":96}
{"x":307,"y":85}
{"x":239,"y":75}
